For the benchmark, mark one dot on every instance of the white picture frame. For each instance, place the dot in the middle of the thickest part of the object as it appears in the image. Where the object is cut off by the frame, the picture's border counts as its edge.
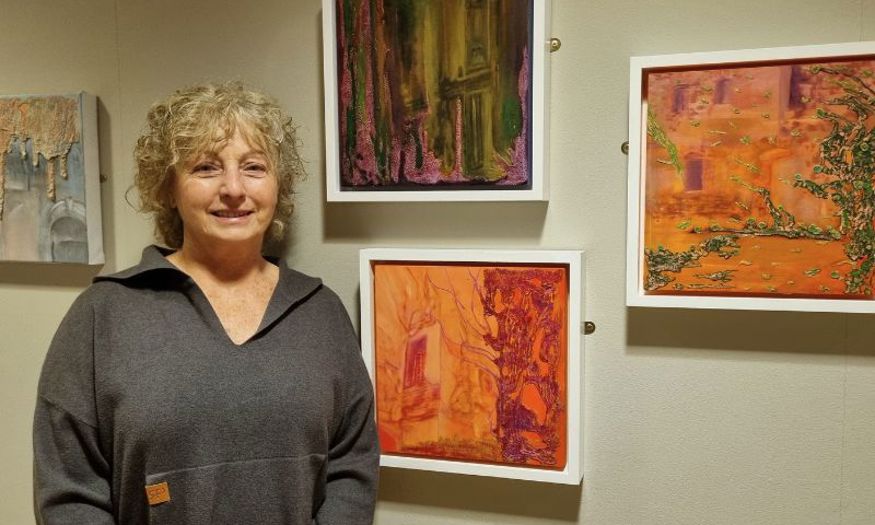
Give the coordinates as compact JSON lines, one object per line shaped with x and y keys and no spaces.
{"x":680,"y":64}
{"x":569,"y":261}
{"x":535,"y":134}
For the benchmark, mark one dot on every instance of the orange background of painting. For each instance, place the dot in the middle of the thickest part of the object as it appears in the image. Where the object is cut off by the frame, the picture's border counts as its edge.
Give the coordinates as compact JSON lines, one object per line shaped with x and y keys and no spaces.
{"x":457,"y":401}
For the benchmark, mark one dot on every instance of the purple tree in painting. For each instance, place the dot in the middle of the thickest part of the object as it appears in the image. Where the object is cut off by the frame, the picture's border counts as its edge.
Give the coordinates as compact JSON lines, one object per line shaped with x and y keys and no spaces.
{"x":521,"y":323}
{"x":528,"y":343}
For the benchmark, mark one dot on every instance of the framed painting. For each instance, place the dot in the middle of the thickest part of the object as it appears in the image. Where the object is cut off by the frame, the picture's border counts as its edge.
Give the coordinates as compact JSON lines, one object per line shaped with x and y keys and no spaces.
{"x":477,"y":360}
{"x":751,"y":179}
{"x":436,"y":100}
{"x":50,"y":179}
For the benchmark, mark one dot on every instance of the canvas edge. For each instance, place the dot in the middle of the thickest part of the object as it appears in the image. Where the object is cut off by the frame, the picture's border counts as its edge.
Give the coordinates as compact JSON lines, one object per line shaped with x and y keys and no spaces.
{"x":539,"y":190}
{"x":541,"y":58}
{"x":329,"y":77}
{"x":93,"y":209}
{"x":572,"y":474}
{"x":576,"y":366}
{"x":635,"y":296}
{"x":634,"y":240}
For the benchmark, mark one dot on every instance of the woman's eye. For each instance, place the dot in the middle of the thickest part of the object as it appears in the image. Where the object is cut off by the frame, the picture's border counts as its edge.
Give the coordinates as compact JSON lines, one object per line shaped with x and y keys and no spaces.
{"x":256,"y":168}
{"x":204,"y":169}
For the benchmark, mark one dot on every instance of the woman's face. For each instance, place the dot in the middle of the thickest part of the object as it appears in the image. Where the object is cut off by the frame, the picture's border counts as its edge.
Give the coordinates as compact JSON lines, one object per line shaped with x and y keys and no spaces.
{"x":227,"y":197}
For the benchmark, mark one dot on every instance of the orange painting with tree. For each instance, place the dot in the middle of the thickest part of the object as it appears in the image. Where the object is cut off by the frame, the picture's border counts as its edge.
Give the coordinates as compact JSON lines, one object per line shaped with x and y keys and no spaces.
{"x":471,"y":362}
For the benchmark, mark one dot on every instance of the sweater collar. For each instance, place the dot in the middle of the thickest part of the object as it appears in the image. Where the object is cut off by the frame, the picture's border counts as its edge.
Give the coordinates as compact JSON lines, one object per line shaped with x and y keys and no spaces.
{"x":292,"y":288}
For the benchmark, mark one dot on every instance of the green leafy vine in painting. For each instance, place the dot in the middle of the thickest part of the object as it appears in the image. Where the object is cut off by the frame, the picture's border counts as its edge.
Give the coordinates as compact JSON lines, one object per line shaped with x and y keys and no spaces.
{"x":848,"y":163}
{"x":783,"y":223}
{"x":654,"y":129}
{"x":662,"y":260}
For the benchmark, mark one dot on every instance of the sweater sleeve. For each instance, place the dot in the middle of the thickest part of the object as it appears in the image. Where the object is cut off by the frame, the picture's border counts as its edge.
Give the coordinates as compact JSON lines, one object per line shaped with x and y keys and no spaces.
{"x":354,"y":456}
{"x":71,"y":472}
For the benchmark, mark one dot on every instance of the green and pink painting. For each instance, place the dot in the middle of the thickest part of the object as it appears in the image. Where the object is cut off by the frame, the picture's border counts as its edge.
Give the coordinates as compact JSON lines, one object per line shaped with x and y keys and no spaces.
{"x":434,"y":94}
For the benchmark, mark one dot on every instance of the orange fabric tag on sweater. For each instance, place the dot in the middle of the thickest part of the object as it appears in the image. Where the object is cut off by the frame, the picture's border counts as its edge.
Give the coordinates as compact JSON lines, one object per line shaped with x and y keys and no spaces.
{"x":158,"y":493}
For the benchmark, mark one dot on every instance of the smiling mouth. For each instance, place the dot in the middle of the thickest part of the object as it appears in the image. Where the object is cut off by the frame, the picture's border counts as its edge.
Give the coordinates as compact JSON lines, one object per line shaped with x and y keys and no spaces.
{"x":231,"y":214}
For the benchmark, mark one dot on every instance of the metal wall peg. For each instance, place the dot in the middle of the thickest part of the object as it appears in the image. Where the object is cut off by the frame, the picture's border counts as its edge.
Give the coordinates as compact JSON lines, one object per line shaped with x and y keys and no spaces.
{"x":555,"y":44}
{"x":624,"y":147}
{"x":588,"y":327}
{"x":103,"y":178}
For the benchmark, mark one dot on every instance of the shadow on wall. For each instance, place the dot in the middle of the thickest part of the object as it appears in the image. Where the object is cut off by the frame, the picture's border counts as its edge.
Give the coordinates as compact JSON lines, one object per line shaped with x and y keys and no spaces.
{"x":481,"y":494}
{"x":107,"y":185}
{"x":651,"y":330}
{"x":499,"y":221}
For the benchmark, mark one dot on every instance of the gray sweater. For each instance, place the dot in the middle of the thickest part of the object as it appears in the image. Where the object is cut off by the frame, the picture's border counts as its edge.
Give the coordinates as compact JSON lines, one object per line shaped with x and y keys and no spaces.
{"x":142,"y":387}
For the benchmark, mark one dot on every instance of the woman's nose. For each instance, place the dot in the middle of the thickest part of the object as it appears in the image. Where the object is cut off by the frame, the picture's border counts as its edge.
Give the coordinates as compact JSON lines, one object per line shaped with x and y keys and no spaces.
{"x":232,"y":183}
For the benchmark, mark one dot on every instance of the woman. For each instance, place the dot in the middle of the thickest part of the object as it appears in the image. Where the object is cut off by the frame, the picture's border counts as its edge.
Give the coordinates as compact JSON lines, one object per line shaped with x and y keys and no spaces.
{"x":207,"y":384}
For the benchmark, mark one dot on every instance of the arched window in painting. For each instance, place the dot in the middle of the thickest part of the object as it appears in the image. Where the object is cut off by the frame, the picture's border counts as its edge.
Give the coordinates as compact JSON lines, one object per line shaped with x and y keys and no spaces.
{"x":795,"y":96}
{"x":721,"y":89}
{"x":69,"y":240}
{"x":679,"y":100}
{"x":693,"y":174}
{"x":414,"y":363}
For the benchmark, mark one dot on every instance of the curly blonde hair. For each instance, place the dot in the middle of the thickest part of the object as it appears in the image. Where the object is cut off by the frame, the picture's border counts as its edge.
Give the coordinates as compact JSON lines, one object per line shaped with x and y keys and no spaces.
{"x":197,"y":120}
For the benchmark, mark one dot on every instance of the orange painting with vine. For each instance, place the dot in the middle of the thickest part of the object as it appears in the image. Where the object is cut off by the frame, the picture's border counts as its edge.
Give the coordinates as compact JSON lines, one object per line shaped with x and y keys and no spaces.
{"x":759,"y":180}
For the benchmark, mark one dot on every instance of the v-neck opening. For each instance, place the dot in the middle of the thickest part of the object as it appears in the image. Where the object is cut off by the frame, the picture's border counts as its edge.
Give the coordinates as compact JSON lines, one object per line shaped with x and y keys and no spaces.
{"x":212,"y":318}
{"x":215,"y":322}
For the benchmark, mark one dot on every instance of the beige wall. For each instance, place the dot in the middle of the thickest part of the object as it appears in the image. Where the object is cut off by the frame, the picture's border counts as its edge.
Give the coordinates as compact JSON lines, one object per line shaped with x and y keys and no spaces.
{"x":693,"y":417}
